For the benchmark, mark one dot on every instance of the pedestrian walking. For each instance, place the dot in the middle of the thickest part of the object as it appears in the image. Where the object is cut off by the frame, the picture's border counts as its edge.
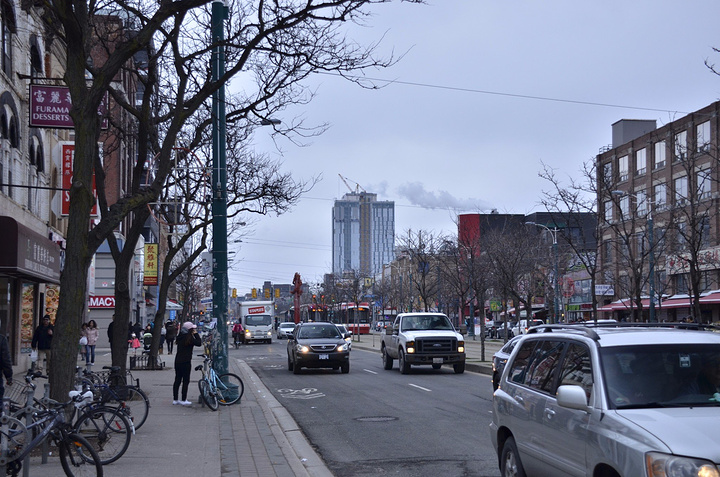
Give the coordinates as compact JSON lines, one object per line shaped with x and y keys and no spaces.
{"x":83,"y":341}
{"x":92,"y":334}
{"x":171,"y":331}
{"x":187,"y":339}
{"x":42,"y":342}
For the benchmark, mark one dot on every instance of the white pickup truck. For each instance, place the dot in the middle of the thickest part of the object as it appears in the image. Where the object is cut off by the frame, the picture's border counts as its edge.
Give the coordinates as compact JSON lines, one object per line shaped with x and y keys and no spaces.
{"x":422,"y":339}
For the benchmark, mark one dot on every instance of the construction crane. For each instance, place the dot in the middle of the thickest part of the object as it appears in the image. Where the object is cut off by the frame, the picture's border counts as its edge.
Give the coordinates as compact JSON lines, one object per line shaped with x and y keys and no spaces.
{"x":358,"y":187}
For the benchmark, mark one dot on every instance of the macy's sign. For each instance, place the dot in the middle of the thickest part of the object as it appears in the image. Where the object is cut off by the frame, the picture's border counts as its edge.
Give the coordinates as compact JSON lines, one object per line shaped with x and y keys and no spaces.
{"x":101,"y":302}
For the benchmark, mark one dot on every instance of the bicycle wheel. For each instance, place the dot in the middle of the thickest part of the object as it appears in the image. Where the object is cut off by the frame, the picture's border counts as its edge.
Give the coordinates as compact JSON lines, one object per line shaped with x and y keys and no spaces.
{"x":78,"y":458}
{"x":230,"y":389}
{"x":15,"y":436}
{"x":108,"y":430}
{"x":208,"y":395}
{"x":139,"y":405}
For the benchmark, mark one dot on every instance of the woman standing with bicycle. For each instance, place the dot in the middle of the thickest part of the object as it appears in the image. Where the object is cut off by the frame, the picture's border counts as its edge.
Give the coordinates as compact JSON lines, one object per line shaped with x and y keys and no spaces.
{"x":187,"y":339}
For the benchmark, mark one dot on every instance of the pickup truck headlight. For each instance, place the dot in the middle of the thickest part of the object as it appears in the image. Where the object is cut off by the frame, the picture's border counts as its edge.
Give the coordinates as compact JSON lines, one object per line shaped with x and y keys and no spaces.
{"x":410,"y":347}
{"x":302,"y":348}
{"x":247,"y":332}
{"x":461,"y":346}
{"x":668,"y":465}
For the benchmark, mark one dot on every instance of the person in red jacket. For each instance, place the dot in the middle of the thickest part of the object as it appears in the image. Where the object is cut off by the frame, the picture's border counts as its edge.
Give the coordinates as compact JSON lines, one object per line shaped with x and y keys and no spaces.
{"x":237,"y":333}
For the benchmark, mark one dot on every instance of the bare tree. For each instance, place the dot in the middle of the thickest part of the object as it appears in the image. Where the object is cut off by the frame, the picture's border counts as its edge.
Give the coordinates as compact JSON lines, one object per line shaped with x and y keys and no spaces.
{"x":277,"y":47}
{"x":570,"y":205}
{"x":421,"y":248}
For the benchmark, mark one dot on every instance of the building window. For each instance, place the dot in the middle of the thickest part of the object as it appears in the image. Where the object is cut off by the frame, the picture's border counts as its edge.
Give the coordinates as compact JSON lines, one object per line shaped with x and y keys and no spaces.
{"x":608,"y":175}
{"x":623,"y":168}
{"x":659,"y":155}
{"x":608,"y":211}
{"x":8,"y":29}
{"x":681,"y":286}
{"x":640,"y":162}
{"x":607,"y":252}
{"x":704,"y":184}
{"x":703,"y":137}
{"x":704,"y":232}
{"x":681,"y":190}
{"x":660,"y":195}
{"x":680,"y":146}
{"x":641,"y":202}
{"x":625,"y":206}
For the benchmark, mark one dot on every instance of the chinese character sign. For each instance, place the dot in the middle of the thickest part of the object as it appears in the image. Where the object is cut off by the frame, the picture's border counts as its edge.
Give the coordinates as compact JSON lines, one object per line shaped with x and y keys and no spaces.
{"x":67,"y":153}
{"x":151,"y":264}
{"x":50,"y":107}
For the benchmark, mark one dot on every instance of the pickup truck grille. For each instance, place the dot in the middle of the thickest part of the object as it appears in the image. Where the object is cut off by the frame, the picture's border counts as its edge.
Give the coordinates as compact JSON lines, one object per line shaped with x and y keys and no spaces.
{"x":436,"y":345}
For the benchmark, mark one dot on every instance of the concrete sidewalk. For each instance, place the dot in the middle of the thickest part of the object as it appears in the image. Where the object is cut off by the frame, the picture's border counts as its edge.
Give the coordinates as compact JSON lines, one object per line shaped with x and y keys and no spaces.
{"x":256,"y":437}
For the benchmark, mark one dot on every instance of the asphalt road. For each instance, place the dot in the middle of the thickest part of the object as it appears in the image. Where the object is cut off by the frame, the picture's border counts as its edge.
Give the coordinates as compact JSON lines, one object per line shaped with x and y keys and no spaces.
{"x":373,"y":422}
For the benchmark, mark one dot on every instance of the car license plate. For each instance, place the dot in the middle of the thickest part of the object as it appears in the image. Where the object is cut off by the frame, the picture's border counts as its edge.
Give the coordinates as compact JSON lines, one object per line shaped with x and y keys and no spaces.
{"x":324,"y":356}
{"x":437,"y":360}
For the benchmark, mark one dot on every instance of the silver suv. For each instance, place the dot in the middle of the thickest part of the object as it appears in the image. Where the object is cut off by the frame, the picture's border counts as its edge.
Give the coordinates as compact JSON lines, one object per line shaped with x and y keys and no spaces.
{"x":610,"y":400}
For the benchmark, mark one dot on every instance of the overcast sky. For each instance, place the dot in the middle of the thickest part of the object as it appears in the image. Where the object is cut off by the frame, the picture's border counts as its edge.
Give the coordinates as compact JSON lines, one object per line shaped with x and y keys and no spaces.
{"x":486,"y":92}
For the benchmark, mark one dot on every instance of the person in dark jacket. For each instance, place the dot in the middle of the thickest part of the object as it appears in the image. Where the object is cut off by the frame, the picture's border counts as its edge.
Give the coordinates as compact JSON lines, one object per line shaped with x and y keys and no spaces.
{"x":171,"y":331}
{"x":187,"y":339}
{"x":42,"y":342}
{"x":5,"y":364}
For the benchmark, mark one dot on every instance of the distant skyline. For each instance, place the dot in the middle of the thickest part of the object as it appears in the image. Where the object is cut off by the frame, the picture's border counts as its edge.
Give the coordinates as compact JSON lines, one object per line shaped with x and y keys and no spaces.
{"x":484,"y":94}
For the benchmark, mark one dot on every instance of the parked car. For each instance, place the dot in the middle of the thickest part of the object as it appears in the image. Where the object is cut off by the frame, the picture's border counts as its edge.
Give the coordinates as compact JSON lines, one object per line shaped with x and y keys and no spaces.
{"x":346,"y":334}
{"x":500,"y":330}
{"x":285,"y":329}
{"x":500,"y":358}
{"x":521,"y":327}
{"x":626,"y":400}
{"x":317,"y":345}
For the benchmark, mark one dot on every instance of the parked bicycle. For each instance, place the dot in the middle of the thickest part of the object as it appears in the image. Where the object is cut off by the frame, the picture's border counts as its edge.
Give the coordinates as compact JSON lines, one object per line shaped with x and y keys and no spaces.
{"x":77,"y":456}
{"x":110,"y":388}
{"x":215,"y":390}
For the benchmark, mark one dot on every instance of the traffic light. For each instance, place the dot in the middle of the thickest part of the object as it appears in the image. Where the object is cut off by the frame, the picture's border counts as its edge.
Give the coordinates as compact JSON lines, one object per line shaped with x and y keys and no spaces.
{"x":234,"y":292}
{"x":254,"y":293}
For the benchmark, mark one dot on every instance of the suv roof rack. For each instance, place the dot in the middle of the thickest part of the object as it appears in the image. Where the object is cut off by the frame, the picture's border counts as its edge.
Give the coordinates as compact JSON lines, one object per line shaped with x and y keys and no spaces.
{"x":587,"y":326}
{"x":565,"y":327}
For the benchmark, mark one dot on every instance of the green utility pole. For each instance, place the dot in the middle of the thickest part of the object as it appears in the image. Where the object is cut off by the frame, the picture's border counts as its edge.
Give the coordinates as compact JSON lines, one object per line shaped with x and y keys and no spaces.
{"x":219,"y":189}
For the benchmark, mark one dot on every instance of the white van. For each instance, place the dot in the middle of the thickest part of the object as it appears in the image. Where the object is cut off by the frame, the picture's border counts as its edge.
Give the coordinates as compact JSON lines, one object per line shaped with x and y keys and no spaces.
{"x":257,"y":321}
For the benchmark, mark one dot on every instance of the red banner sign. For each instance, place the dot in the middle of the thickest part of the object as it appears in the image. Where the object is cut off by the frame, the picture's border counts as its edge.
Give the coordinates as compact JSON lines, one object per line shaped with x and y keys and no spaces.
{"x":67,"y":152}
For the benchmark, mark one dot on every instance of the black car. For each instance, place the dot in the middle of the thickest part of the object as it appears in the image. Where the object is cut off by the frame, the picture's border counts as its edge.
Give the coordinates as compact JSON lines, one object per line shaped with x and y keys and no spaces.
{"x":500,"y":358}
{"x":317,"y":345}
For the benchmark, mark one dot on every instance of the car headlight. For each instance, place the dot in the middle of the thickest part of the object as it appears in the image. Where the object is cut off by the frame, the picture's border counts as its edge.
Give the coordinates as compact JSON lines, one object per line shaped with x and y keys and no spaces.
{"x":269,"y":333}
{"x":343,"y":347}
{"x":247,"y":332}
{"x":410,"y":347}
{"x":668,"y":465}
{"x":302,"y":348}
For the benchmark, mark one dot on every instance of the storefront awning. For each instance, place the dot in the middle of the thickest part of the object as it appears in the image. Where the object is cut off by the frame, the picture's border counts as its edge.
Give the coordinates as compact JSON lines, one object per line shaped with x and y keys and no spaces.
{"x":680,"y":301}
{"x":624,"y":304}
{"x":27,"y":254}
{"x":171,"y":305}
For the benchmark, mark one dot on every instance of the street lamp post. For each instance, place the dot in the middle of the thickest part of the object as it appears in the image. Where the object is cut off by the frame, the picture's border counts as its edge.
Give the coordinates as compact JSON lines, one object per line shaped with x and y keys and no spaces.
{"x":219,"y":189}
{"x":651,"y":256}
{"x":553,"y":232}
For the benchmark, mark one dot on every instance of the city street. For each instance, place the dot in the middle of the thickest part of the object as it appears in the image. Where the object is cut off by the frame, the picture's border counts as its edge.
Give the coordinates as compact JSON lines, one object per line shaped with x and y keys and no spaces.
{"x":377,"y":422}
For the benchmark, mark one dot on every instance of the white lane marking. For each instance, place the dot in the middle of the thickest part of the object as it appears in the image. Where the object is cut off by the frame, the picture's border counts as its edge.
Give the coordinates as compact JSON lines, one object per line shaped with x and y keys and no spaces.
{"x":420,"y":387}
{"x":369,"y":371}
